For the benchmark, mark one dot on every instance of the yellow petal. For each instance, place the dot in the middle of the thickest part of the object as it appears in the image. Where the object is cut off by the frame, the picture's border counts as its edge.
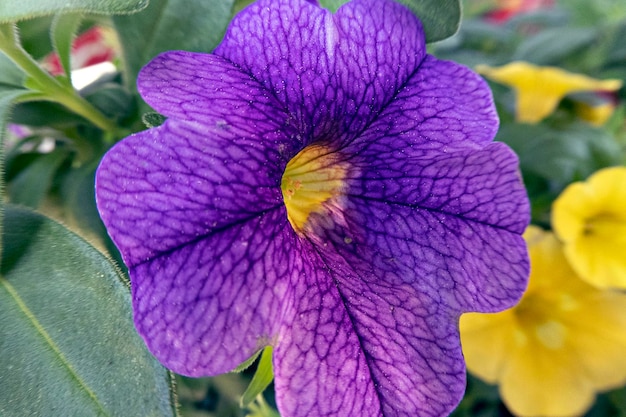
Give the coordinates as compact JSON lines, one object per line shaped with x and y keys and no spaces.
{"x":590,"y":218}
{"x":600,"y":338}
{"x":541,"y":382}
{"x":560,"y":345}
{"x":595,"y":115}
{"x":540,"y":89}
{"x":487,"y":340}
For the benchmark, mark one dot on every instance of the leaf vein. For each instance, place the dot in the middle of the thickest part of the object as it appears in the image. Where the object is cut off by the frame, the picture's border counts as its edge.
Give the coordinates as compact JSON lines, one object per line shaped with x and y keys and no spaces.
{"x":48,"y":339}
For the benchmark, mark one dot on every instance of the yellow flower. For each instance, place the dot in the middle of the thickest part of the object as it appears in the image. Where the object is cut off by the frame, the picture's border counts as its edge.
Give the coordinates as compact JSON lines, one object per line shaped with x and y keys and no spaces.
{"x":561,"y":344}
{"x":598,"y":114}
{"x":590,"y":219}
{"x":540,"y":89}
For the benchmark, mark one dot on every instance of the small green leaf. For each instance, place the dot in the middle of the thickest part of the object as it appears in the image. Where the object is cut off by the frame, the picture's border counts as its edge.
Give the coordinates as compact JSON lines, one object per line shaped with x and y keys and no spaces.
{"x":62,"y":32}
{"x":261,"y":379}
{"x":168,"y":25}
{"x":152,"y":119}
{"x":260,"y":408}
{"x":68,"y":346}
{"x":441,"y":18}
{"x":247,"y":363}
{"x":14,"y":10}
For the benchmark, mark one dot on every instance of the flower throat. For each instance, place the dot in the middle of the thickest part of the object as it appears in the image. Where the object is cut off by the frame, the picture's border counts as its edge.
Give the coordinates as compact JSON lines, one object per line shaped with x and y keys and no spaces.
{"x":313,"y":178}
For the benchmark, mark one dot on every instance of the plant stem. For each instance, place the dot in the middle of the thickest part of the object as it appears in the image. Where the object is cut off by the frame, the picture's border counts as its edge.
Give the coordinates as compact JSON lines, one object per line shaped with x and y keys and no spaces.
{"x":47,"y":84}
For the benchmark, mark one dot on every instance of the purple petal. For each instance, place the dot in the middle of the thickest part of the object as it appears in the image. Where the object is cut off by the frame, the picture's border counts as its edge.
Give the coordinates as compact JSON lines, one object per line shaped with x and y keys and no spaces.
{"x":210,"y":90}
{"x":444,"y":106}
{"x":333,"y":73}
{"x":411,"y":342}
{"x":418,"y":242}
{"x":363,"y":310}
{"x":166,"y":187}
{"x":207,"y":306}
{"x":481,"y":185}
{"x":451,"y":223}
{"x":198,"y":217}
{"x":319,"y":364}
{"x":405,"y":275}
{"x":352,"y":344}
{"x":462,"y":264}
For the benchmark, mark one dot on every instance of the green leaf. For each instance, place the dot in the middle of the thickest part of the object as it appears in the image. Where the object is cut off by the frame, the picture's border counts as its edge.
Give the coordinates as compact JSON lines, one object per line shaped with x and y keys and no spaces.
{"x":537,"y":20}
{"x":67,"y":342}
{"x":332,"y":5}
{"x":45,"y":114}
{"x":78,"y":196}
{"x":113,"y":100}
{"x":561,"y":156}
{"x":550,"y":159}
{"x":168,"y":25}
{"x":10,"y":74}
{"x":62,"y":32}
{"x":35,"y":36}
{"x":7,"y":96}
{"x":477,"y":42}
{"x":441,"y":18}
{"x":14,"y":10}
{"x":596,"y":12}
{"x":618,"y":397}
{"x":240,"y":5}
{"x":46,"y":86}
{"x":30,"y":185}
{"x":260,"y":408}
{"x":261,"y":379}
{"x":551,"y":46}
{"x":617,"y":52}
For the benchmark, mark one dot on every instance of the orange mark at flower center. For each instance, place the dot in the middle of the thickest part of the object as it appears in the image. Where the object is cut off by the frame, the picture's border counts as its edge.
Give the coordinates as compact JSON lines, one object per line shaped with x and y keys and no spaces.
{"x":313,"y":181}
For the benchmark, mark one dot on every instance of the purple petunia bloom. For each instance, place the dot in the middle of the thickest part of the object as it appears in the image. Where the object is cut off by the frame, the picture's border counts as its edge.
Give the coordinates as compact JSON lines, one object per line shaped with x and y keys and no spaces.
{"x":324,"y":186}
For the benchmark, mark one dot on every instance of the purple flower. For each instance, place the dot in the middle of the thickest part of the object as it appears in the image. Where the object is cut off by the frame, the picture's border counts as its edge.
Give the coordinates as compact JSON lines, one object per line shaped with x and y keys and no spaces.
{"x":323,"y":186}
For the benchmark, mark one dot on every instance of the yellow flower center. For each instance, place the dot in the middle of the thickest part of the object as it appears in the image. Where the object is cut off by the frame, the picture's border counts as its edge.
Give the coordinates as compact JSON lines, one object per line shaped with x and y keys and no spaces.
{"x":605,"y":226}
{"x":312,"y":180}
{"x":551,"y":334}
{"x":543,"y":316}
